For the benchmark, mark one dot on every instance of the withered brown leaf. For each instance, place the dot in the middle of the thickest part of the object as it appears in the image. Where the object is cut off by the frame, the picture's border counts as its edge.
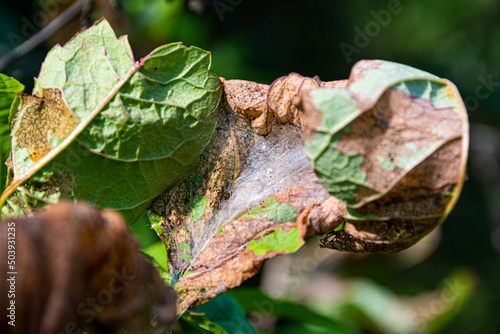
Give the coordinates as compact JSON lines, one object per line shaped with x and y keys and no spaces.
{"x":75,"y":267}
{"x":246,"y":220}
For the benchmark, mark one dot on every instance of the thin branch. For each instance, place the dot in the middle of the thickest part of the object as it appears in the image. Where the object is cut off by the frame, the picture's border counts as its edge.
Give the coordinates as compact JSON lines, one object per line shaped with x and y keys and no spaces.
{"x":85,"y":13}
{"x":42,"y":35}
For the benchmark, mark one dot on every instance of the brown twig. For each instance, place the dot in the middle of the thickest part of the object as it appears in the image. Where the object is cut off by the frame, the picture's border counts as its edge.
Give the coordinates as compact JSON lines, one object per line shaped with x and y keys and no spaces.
{"x":42,"y":35}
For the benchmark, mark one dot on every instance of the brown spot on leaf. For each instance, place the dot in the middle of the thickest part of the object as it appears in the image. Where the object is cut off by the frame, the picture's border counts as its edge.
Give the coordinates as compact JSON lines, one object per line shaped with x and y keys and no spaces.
{"x":41,"y":119}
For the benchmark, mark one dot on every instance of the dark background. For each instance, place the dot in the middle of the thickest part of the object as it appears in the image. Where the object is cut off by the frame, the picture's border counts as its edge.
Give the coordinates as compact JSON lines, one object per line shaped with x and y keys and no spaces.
{"x":263,"y":40}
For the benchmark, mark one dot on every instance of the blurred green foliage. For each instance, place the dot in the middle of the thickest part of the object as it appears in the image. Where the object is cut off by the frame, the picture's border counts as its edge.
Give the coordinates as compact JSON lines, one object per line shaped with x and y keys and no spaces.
{"x":262,"y":40}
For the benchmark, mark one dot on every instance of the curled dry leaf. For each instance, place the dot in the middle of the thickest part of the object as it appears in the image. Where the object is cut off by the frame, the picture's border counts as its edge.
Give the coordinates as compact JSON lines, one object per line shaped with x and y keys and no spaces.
{"x":259,"y":103}
{"x":80,"y":269}
{"x":393,"y":146}
{"x":375,"y":162}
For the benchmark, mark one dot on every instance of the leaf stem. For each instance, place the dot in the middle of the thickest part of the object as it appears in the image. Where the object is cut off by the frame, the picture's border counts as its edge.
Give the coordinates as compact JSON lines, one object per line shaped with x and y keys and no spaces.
{"x":38,"y":198}
{"x":53,"y":153}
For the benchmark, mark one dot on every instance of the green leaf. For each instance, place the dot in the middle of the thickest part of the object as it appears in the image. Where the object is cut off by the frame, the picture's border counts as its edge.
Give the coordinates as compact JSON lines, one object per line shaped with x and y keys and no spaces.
{"x":279,"y":212}
{"x":290,"y":242}
{"x":254,"y":300}
{"x":198,"y":205}
{"x":164,"y":104}
{"x":144,"y":231}
{"x":158,"y":252}
{"x":227,"y":313}
{"x":460,"y":284}
{"x":141,"y":125}
{"x":155,"y":222}
{"x":9,"y":87}
{"x":129,"y":187}
{"x":201,"y":324}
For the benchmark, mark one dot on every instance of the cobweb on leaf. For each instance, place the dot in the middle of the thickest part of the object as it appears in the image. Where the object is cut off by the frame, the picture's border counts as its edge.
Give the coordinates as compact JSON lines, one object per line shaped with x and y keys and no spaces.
{"x":240,"y":170}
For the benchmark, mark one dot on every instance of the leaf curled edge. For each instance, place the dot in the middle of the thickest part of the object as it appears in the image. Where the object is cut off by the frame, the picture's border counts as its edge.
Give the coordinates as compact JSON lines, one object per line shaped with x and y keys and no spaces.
{"x":408,"y":133}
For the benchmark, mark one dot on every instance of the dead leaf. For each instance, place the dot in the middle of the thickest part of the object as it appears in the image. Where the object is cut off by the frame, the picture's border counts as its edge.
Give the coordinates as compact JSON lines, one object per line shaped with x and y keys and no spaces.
{"x":264,"y":196}
{"x":213,"y":253}
{"x":406,"y":140}
{"x":78,"y":268}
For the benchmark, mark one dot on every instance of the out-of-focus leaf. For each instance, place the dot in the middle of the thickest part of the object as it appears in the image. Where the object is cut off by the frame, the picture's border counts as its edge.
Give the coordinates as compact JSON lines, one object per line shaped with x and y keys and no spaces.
{"x":227,"y":313}
{"x":9,"y":87}
{"x":254,"y":300}
{"x":368,"y":304}
{"x":456,"y":290}
{"x":201,"y":324}
{"x":69,"y":253}
{"x":132,"y":120}
{"x":153,"y":20}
